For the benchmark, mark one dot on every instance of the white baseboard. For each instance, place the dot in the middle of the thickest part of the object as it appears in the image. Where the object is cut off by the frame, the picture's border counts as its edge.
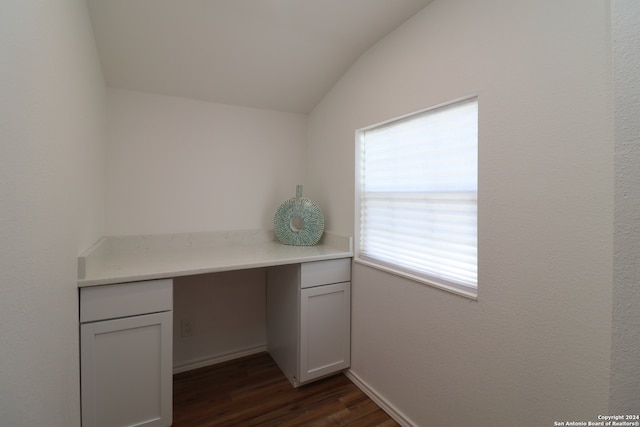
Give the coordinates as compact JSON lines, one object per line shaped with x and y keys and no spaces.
{"x":387,"y":407}
{"x":208,"y":361}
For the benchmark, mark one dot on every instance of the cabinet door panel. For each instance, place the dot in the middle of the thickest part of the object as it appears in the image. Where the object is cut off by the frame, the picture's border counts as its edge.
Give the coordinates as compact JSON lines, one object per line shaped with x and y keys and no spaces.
{"x":126,"y":371}
{"x":325,"y":330}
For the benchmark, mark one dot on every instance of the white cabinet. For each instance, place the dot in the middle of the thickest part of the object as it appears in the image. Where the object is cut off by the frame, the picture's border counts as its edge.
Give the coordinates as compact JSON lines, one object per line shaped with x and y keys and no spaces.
{"x":126,"y":354}
{"x":309,"y":318}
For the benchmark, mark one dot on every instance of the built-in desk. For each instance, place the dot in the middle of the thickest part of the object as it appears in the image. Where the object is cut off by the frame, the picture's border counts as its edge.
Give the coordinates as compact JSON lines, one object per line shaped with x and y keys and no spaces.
{"x":134,"y":258}
{"x":126,"y":303}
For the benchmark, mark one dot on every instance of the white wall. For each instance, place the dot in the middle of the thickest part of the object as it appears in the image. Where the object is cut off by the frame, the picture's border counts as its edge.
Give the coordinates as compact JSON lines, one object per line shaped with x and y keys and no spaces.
{"x":625,"y":343}
{"x":227,"y":312}
{"x":535,"y":347}
{"x":178,"y":165}
{"x":51,"y":202}
{"x":183,"y":165}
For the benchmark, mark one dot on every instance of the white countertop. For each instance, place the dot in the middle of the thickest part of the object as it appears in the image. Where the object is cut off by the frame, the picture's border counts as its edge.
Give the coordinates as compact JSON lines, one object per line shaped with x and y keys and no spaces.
{"x":133,"y":258}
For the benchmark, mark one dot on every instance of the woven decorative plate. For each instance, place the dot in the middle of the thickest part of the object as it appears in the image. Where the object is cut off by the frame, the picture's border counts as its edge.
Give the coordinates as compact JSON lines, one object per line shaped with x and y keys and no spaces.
{"x":298,"y":221}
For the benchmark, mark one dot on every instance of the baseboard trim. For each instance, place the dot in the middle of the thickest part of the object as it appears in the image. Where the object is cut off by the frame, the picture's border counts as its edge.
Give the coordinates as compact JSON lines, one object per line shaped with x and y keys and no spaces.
{"x":208,"y":361}
{"x":383,"y":403}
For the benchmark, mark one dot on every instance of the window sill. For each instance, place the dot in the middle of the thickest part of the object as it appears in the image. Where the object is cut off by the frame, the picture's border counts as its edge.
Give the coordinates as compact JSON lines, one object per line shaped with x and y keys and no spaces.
{"x":458,"y":290}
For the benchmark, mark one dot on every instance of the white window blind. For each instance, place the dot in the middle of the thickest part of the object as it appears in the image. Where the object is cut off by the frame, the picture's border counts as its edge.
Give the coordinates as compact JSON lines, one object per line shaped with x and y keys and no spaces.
{"x":418,"y":195}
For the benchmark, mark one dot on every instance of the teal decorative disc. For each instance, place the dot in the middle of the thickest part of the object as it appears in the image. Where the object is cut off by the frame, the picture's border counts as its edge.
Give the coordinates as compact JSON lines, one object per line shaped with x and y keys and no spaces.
{"x":298,"y":221}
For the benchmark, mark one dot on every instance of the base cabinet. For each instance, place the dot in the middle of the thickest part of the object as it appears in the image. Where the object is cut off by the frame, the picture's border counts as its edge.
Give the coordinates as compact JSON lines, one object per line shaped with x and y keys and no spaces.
{"x":309,"y":318}
{"x":126,"y":355}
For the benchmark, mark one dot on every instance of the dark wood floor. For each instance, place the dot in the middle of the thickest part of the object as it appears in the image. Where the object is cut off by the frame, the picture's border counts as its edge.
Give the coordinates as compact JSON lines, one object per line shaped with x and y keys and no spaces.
{"x":252,"y":391}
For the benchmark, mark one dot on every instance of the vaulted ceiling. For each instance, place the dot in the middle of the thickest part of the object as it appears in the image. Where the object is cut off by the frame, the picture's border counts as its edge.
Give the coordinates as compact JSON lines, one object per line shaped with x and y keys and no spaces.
{"x":273,"y":54}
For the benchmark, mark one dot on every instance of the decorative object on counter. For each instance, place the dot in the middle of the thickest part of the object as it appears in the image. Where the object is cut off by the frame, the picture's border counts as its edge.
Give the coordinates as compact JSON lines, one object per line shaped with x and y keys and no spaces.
{"x":299,"y":221}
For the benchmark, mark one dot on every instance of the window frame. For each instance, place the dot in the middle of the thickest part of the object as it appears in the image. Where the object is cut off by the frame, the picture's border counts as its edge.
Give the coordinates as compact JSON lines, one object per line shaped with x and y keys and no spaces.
{"x":458,"y":289}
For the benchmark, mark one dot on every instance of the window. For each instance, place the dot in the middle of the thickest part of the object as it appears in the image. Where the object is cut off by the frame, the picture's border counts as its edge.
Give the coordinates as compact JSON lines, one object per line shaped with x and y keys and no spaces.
{"x":417,"y":192}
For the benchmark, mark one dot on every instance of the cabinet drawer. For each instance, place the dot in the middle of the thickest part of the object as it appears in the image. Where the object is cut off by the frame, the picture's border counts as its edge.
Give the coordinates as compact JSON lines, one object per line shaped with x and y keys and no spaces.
{"x":125,"y":299}
{"x":325,"y":272}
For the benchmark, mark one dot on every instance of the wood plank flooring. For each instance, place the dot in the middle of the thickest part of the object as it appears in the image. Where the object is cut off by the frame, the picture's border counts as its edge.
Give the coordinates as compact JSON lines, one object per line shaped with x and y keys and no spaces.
{"x":252,"y":391}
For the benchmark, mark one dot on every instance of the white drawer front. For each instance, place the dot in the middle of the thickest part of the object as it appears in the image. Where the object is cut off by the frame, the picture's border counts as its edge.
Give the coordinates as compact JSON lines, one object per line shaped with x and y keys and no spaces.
{"x":325,"y":272}
{"x":125,"y":299}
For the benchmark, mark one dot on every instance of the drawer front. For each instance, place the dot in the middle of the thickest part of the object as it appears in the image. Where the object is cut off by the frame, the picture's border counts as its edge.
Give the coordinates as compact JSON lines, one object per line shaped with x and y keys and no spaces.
{"x":125,"y":299}
{"x":325,"y":272}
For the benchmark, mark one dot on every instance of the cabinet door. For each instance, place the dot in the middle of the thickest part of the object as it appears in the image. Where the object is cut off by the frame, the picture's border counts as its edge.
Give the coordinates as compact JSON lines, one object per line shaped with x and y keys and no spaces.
{"x":325,"y":330}
{"x":126,"y":371}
